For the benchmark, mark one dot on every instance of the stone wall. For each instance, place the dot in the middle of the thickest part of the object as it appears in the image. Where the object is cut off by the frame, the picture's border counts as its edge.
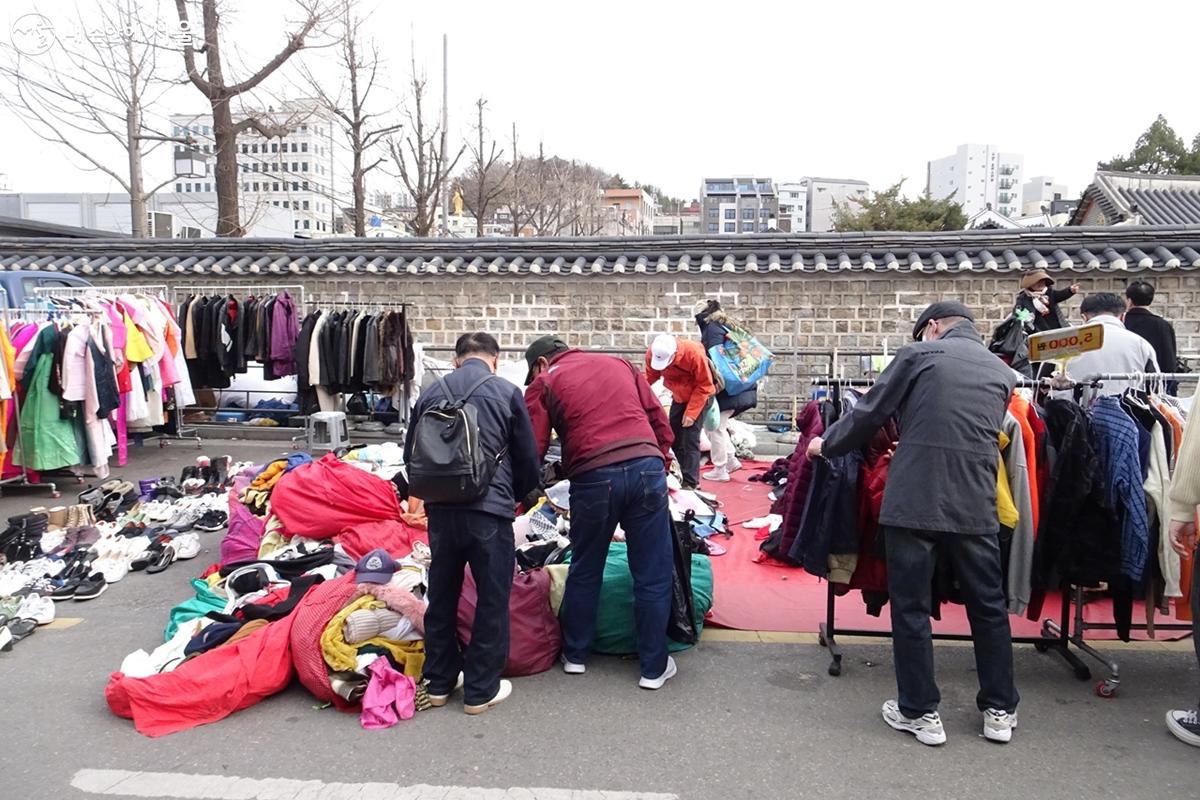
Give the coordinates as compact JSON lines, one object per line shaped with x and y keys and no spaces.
{"x":804,"y":318}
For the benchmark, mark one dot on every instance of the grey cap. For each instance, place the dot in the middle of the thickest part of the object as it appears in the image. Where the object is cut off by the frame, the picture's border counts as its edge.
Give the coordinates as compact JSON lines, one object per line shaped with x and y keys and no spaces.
{"x":940,"y":310}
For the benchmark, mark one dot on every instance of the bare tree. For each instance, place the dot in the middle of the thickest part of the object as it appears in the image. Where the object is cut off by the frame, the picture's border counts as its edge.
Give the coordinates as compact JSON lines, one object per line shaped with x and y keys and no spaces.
{"x":220,"y":90}
{"x":364,"y":130}
{"x":486,"y":179}
{"x":421,"y":157}
{"x":90,"y":96}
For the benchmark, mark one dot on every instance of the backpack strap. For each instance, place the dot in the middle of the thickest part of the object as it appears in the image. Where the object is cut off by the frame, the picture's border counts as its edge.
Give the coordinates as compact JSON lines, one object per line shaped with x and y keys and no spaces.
{"x":476,"y":385}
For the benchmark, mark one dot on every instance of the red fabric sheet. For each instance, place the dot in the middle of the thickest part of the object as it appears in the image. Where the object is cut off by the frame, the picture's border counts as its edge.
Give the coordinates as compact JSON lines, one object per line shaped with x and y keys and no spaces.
{"x":394,"y":536}
{"x":328,"y":496}
{"x":771,"y":597}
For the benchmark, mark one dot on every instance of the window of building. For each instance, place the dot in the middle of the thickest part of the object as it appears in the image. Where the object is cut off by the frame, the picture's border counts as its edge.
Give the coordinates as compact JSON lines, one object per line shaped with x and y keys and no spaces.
{"x":731,"y":227}
{"x":274,"y":147}
{"x":275,"y":203}
{"x":747,"y":227}
{"x":304,"y":147}
{"x":178,"y":131}
{"x":293,"y":147}
{"x":245,"y":149}
{"x":208,"y":187}
{"x":275,"y":167}
{"x":295,"y":223}
{"x":246,"y":186}
{"x":304,"y":129}
{"x":763,"y":227}
{"x":274,"y":187}
{"x":713,"y":227}
{"x":306,"y":224}
{"x":256,"y":186}
{"x":764,"y":212}
{"x":296,"y":188}
{"x":747,"y":213}
{"x":254,"y":148}
{"x":714,"y":213}
{"x":306,"y":205}
{"x":179,"y":187}
{"x":730,"y":213}
{"x":206,"y":130}
{"x":304,"y":166}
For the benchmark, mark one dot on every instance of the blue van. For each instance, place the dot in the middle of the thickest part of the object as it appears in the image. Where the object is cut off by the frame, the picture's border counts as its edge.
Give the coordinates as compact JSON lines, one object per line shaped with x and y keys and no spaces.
{"x":21,"y":284}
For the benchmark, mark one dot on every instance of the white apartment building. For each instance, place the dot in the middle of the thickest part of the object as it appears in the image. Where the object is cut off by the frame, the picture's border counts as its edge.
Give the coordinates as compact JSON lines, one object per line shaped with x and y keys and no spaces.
{"x":303,"y":172}
{"x":825,"y":194}
{"x":978,"y":176}
{"x":740,"y":204}
{"x":793,"y":206}
{"x":1039,"y":192}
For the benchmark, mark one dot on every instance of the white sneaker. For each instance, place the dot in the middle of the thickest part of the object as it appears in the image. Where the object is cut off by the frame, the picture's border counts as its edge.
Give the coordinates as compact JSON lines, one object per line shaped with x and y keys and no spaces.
{"x":187,"y":545}
{"x":732,"y":465}
{"x":571,"y":668}
{"x":928,"y":728}
{"x":661,"y":680}
{"x":1184,"y":724}
{"x":439,"y":700}
{"x":502,"y":694}
{"x":37,"y":608}
{"x":999,"y":725}
{"x":719,"y":475}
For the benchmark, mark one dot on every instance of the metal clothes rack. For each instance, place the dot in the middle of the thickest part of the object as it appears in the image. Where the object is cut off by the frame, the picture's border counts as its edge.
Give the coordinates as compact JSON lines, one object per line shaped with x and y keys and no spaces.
{"x":53,"y":293}
{"x":254,"y":289}
{"x":829,"y":631}
{"x":1076,"y":635}
{"x":22,"y":480}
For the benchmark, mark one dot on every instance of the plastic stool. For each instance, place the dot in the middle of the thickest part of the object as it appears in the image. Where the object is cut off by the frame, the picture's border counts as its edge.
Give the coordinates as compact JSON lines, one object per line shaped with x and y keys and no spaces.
{"x":327,"y":430}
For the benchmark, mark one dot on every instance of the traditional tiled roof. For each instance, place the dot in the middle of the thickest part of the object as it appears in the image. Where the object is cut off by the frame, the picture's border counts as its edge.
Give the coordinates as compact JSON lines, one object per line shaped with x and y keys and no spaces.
{"x":1078,"y":249}
{"x":1127,"y":197}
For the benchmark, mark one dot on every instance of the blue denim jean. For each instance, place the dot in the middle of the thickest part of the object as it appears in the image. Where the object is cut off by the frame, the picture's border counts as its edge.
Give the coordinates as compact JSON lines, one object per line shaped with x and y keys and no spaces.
{"x":458,"y":538}
{"x":634,"y":494}
{"x":912,"y":556}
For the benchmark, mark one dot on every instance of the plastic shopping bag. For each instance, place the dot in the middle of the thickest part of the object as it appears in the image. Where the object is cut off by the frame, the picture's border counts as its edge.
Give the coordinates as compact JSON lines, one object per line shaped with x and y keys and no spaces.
{"x":741,"y":359}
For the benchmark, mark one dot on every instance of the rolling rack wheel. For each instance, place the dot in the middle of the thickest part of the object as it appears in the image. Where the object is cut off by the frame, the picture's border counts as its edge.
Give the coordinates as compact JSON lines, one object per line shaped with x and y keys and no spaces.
{"x":835,"y":666}
{"x":1107,"y":688}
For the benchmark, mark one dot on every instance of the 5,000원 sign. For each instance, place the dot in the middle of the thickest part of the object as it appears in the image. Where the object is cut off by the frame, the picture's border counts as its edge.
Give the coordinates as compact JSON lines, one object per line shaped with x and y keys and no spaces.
{"x":1065,"y":342}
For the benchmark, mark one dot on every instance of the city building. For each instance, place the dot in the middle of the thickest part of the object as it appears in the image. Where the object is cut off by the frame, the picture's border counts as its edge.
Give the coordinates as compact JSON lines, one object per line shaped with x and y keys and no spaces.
{"x":978,"y":176}
{"x":629,"y":212}
{"x":303,"y":172}
{"x":1135,"y":198}
{"x":1037,"y":194}
{"x":793,"y":206}
{"x":824,"y":196}
{"x":738,"y":205}
{"x":171,"y":215}
{"x":685,"y":221}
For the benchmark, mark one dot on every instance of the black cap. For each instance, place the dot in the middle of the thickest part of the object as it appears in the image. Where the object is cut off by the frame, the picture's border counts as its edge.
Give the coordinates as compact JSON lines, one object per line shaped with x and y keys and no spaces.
{"x":545,"y":346}
{"x":940,"y":310}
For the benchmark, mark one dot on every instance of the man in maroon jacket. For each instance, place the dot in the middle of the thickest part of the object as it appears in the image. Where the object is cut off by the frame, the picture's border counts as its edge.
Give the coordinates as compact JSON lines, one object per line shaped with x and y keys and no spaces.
{"x":616,"y":443}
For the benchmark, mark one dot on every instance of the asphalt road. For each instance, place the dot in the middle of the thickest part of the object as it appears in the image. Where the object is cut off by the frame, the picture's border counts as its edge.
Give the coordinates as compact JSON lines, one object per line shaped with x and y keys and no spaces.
{"x":740,"y":720}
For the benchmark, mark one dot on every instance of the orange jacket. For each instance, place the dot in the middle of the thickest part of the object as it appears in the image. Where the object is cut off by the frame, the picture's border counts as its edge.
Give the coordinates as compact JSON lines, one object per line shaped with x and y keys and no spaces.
{"x":687,"y":377}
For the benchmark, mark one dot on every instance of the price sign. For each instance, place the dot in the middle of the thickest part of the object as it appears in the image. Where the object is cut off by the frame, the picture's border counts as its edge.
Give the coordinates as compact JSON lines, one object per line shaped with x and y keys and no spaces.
{"x":1065,"y":342}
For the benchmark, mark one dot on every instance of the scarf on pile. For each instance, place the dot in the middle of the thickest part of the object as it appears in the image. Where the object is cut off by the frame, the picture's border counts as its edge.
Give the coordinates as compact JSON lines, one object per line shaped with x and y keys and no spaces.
{"x":1040,"y":301}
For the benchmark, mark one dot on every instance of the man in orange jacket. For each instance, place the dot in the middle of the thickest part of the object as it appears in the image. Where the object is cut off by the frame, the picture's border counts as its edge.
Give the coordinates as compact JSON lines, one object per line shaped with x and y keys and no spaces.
{"x":683,"y":367}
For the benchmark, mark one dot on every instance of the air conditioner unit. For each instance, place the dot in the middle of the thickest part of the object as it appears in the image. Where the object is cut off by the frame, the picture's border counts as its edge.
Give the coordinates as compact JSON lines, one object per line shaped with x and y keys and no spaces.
{"x":160,"y":225}
{"x":189,"y":232}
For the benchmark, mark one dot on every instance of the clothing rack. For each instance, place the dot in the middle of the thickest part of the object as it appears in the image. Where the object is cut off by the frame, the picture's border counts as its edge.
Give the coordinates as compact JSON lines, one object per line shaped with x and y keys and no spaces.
{"x":1053,"y":629}
{"x":294,"y":289}
{"x":51,"y":293}
{"x":21,"y":481}
{"x":829,"y":631}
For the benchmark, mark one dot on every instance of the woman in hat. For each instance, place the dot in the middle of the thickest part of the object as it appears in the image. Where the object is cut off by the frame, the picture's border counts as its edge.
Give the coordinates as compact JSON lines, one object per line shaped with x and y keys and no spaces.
{"x":1041,"y":301}
{"x":712,"y":321}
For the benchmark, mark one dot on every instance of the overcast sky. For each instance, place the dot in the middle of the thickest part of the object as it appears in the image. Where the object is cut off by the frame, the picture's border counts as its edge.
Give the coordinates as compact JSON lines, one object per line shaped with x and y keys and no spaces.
{"x":670,"y":92}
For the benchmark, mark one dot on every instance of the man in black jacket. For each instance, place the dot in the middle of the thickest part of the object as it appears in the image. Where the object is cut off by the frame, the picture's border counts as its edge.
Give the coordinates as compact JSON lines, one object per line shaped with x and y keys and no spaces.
{"x":479,"y":533}
{"x":1154,"y":329}
{"x":951,"y":396}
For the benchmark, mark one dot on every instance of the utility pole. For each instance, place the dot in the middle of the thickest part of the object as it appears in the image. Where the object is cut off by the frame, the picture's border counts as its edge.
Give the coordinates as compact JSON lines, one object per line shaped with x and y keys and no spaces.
{"x":445,"y":126}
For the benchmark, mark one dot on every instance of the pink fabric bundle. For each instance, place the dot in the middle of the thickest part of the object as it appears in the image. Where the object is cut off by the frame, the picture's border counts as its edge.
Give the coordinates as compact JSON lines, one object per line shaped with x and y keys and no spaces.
{"x":391,"y":696}
{"x":397,"y":599}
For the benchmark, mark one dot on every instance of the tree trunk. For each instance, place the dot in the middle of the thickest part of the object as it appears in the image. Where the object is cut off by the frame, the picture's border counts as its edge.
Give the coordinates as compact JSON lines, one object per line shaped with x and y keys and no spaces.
{"x":137,"y":197}
{"x":228,"y":212}
{"x":360,"y":194}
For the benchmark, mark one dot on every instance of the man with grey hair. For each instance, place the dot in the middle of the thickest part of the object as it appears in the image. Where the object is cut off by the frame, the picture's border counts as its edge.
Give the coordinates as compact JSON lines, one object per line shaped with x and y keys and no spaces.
{"x":951,"y":396}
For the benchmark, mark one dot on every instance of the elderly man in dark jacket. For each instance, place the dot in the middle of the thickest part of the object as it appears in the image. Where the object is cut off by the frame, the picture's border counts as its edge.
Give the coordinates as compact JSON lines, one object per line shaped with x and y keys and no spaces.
{"x":951,"y":396}
{"x":479,"y":533}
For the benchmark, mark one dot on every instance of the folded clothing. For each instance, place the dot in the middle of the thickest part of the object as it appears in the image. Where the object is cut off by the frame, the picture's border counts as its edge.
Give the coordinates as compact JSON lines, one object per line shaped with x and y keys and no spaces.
{"x":367,"y":623}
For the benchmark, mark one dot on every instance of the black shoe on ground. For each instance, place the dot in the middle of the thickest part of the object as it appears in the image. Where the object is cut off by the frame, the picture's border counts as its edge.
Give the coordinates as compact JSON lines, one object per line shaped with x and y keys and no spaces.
{"x":92,"y":587}
{"x":212,"y":521}
{"x":67,"y":590}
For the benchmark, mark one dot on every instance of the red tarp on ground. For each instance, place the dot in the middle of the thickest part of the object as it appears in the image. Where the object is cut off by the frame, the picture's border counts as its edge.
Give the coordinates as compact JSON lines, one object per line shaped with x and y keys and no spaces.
{"x":764,"y":597}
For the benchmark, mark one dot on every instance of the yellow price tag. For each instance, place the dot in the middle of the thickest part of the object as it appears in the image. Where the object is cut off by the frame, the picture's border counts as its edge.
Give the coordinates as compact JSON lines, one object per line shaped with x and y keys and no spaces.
{"x":1065,"y":343}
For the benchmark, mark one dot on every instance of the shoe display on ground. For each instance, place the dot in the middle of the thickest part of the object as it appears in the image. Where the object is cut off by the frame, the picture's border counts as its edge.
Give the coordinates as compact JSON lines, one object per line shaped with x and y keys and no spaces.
{"x":1184,"y":724}
{"x":502,"y":694}
{"x":187,"y":545}
{"x":928,"y":728}
{"x":37,"y":608}
{"x":998,"y":725}
{"x":661,"y":680}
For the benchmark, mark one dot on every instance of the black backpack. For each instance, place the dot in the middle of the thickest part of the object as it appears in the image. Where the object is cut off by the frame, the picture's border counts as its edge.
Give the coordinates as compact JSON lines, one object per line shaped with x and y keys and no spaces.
{"x":447,"y":464}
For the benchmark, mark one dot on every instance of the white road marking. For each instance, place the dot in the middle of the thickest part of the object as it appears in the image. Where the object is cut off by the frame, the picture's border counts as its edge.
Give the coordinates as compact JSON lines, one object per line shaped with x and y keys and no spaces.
{"x":123,"y":783}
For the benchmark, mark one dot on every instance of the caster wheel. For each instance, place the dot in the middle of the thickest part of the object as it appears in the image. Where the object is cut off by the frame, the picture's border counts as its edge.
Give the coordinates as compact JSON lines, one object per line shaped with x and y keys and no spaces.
{"x":835,"y":669}
{"x":1083,"y":673}
{"x":1106,"y":689}
{"x":821,"y":640}
{"x":1041,"y":647}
